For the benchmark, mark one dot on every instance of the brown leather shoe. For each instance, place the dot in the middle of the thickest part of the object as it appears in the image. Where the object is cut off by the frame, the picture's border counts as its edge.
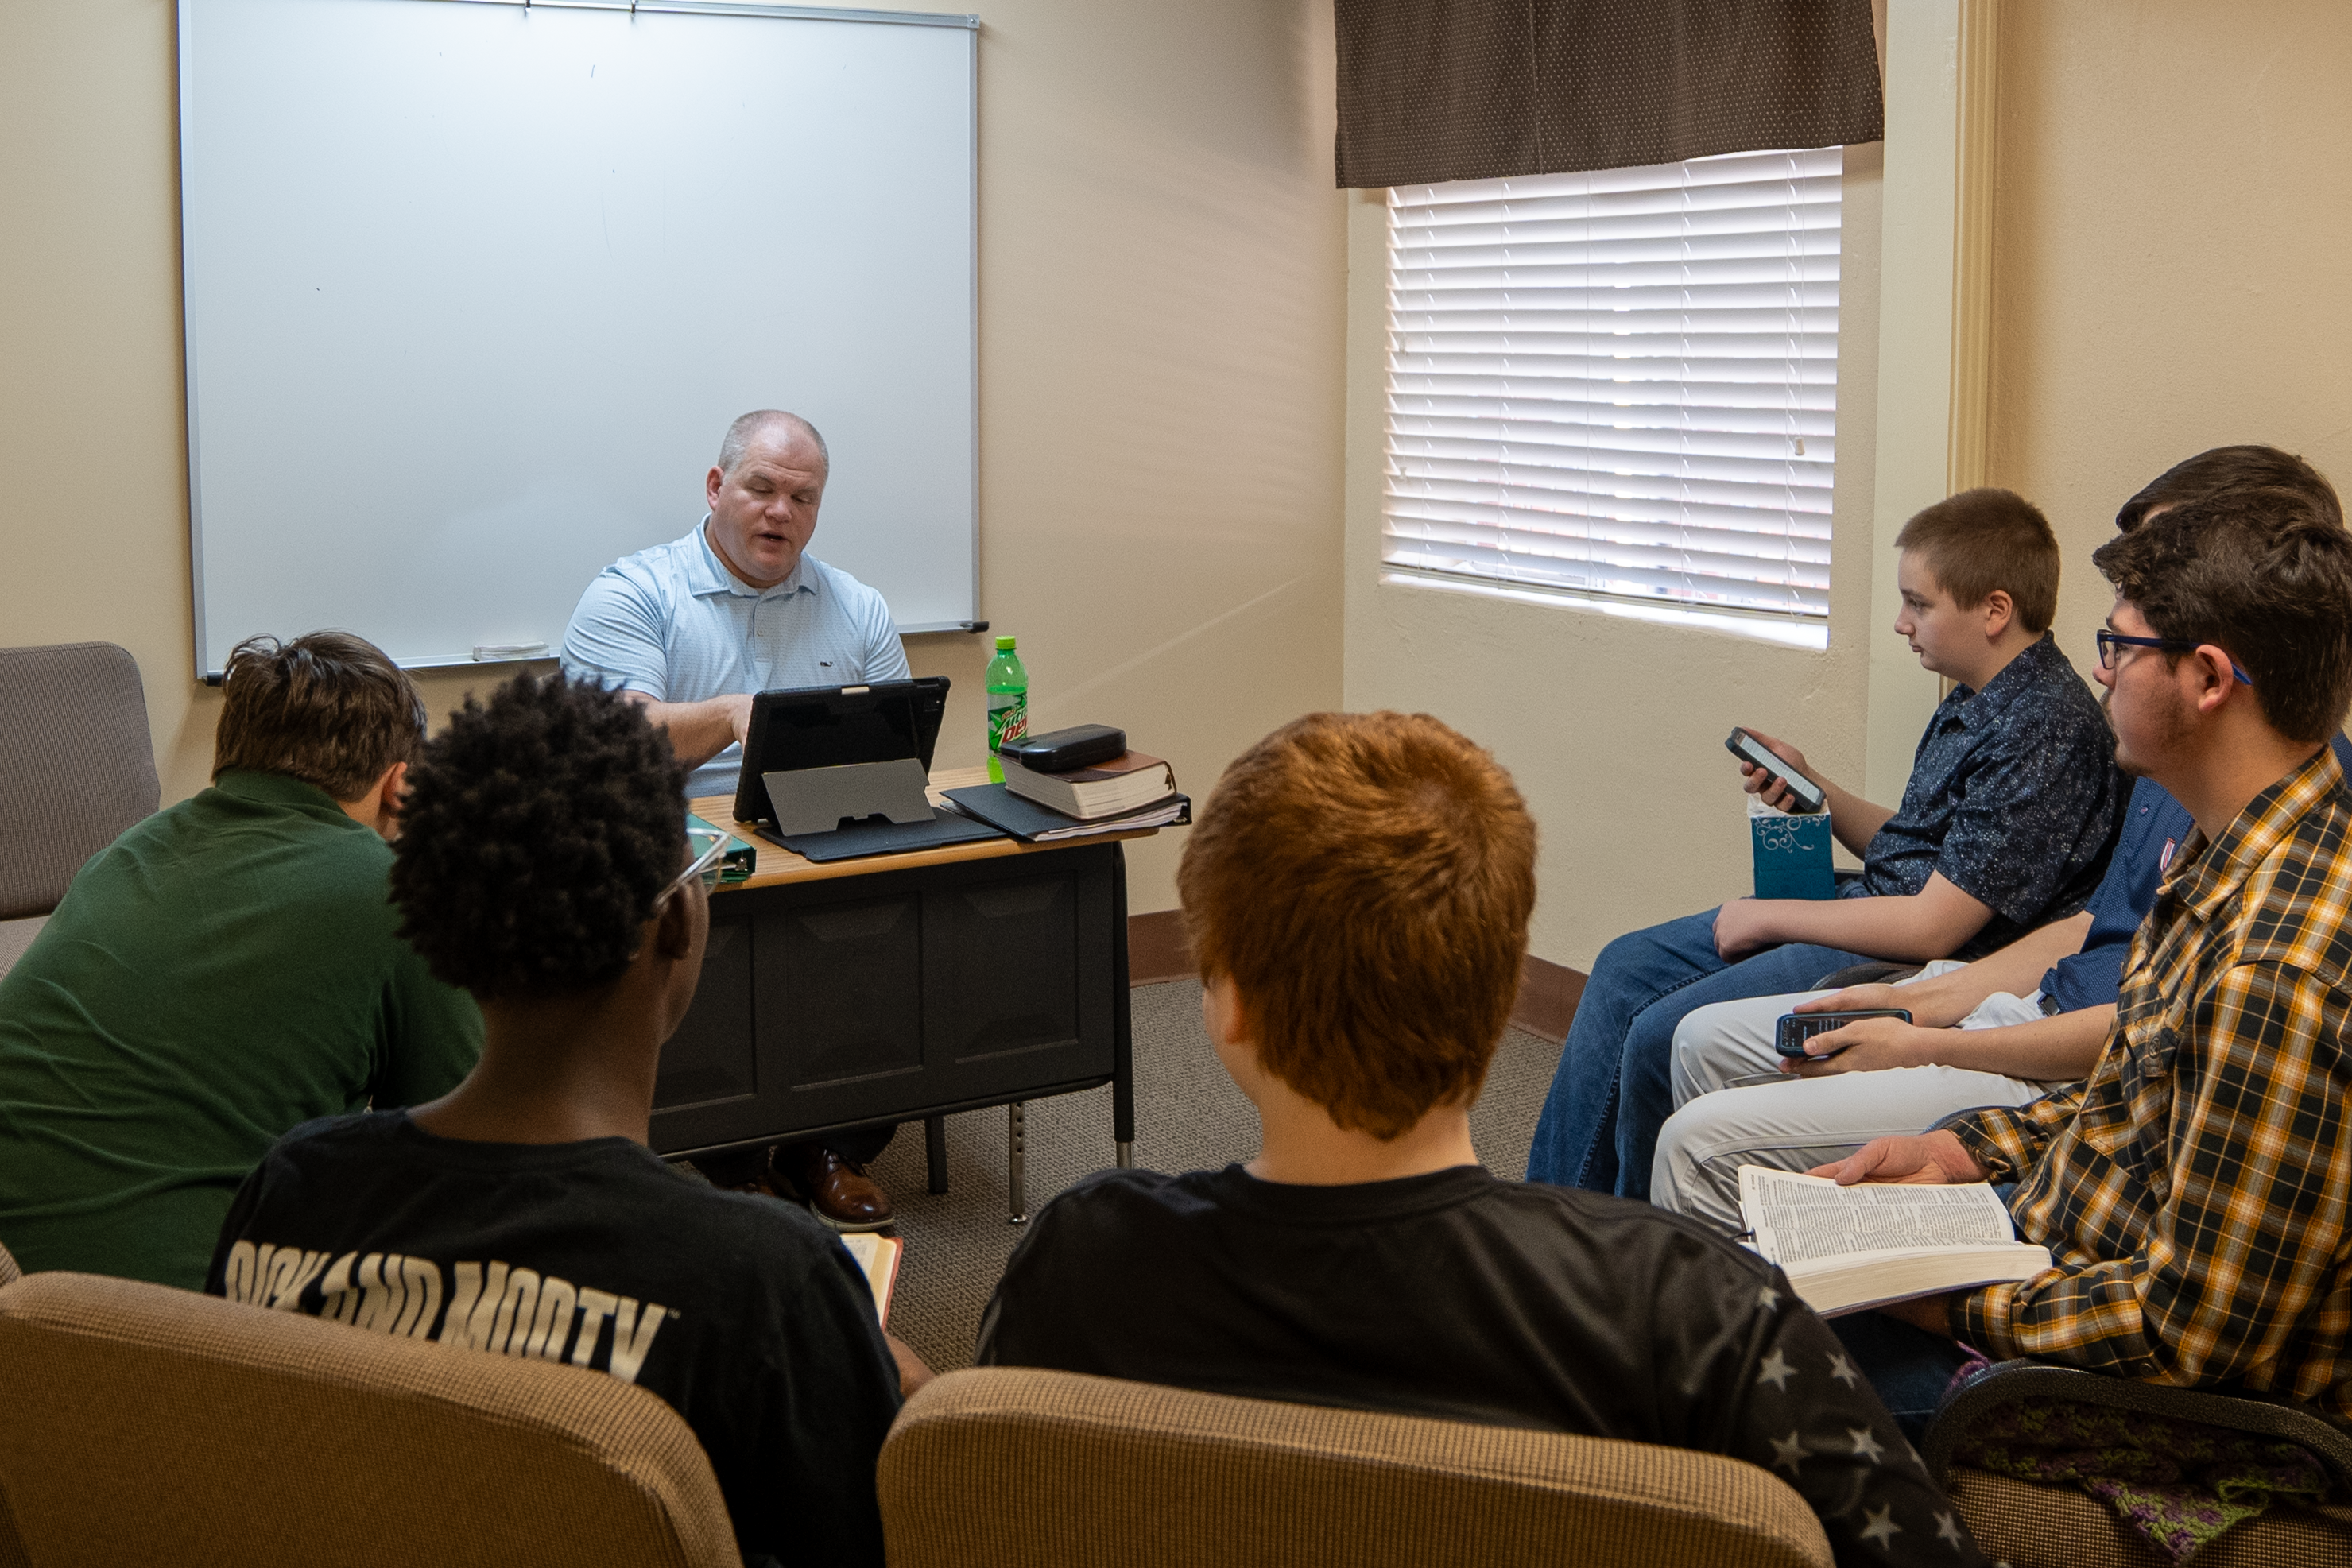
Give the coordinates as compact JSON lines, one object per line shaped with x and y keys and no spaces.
{"x":837,"y":1191}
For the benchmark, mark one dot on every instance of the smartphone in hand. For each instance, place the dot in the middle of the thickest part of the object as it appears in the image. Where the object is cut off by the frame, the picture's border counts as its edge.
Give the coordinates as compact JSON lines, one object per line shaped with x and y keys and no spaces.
{"x":1798,"y":1028}
{"x":1810,"y":796}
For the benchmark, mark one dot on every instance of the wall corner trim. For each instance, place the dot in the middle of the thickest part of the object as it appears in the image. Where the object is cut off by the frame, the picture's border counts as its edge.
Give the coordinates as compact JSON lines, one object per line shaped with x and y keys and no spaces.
{"x":1934,"y":327}
{"x":1968,"y":459}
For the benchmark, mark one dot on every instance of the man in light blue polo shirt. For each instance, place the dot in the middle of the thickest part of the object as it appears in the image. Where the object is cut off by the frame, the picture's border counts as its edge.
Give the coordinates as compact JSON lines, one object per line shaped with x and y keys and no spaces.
{"x":693,"y":628}
{"x":737,"y":606}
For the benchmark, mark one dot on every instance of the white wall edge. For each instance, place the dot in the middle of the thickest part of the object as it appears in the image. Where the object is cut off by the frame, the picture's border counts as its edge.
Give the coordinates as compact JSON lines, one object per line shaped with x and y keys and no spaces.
{"x":1931,"y":325}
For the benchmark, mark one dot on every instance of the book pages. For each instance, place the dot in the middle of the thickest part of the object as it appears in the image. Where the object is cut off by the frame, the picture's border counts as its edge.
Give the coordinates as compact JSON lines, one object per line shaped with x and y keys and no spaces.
{"x":1798,"y":1218}
{"x":877,"y":1256}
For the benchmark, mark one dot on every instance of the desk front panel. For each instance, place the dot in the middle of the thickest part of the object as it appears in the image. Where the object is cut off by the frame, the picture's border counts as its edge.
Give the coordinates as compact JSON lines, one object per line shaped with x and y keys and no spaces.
{"x":876,"y":998}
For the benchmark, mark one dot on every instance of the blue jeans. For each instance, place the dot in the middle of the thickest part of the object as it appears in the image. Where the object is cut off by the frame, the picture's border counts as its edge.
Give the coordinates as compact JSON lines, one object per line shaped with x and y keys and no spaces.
{"x":1615,"y":1086}
{"x":1909,"y":1367}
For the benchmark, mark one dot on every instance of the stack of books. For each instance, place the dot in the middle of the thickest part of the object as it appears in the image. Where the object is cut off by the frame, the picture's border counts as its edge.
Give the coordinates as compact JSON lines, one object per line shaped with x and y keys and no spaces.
{"x":1129,"y":791}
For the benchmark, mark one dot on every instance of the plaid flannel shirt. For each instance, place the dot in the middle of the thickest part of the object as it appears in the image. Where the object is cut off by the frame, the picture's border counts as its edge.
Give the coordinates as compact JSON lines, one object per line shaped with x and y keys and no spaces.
{"x":2196,"y":1191}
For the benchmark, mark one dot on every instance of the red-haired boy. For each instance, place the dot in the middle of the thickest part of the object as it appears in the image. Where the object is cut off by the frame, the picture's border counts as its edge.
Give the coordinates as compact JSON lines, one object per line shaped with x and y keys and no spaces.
{"x":1358,"y":891}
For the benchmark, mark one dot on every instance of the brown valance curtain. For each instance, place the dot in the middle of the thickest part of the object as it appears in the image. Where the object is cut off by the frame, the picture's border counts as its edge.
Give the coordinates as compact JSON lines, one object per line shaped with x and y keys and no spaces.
{"x":1473,"y":89}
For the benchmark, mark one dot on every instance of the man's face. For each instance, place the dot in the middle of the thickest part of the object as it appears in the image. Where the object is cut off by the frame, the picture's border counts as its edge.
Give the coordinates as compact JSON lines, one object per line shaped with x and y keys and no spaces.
{"x":1946,"y":637}
{"x":763,"y":514}
{"x":2143,"y":700}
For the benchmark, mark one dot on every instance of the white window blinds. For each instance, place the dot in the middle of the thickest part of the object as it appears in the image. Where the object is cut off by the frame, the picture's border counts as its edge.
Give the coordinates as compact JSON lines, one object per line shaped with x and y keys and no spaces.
{"x":1620,"y":383}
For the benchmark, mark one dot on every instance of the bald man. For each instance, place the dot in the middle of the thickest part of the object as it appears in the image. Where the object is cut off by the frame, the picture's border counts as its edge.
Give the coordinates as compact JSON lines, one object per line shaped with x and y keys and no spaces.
{"x":693,"y":628}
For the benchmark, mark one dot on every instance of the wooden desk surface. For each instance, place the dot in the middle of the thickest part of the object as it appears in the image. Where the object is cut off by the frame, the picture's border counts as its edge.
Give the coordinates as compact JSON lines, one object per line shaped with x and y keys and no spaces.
{"x":779,"y":864}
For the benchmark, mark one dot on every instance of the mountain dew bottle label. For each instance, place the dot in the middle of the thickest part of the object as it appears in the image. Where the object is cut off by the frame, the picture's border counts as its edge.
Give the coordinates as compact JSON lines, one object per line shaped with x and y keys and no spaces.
{"x":1008,"y":704}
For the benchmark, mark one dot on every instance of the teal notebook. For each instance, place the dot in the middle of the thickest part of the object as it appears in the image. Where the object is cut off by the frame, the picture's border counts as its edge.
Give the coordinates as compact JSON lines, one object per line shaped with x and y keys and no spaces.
{"x":1792,"y":853}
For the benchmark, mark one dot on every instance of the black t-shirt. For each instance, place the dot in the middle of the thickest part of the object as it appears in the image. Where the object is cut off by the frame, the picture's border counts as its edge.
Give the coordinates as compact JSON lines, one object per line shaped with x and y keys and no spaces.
{"x":740,"y":1311}
{"x":1459,"y":1296}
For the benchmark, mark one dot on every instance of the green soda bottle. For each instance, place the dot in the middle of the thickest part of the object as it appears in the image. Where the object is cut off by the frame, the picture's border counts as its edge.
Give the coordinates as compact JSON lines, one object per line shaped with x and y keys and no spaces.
{"x":1008,"y":704}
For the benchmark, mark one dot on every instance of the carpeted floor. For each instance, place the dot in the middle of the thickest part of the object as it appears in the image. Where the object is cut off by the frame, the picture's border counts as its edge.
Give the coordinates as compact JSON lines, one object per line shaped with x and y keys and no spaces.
{"x":1188,"y":1114}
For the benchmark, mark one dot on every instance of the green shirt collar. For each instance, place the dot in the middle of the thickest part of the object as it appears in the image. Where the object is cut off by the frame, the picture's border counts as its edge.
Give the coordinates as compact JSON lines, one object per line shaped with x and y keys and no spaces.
{"x":280,"y":789}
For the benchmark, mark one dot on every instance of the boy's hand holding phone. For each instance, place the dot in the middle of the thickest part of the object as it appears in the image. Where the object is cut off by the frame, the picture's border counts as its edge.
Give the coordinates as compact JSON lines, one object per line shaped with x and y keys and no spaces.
{"x":1766,"y":767}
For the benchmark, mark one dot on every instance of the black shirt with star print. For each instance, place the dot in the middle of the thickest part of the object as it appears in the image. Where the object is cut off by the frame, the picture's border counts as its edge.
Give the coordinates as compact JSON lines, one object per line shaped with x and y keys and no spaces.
{"x":1461,"y":1296}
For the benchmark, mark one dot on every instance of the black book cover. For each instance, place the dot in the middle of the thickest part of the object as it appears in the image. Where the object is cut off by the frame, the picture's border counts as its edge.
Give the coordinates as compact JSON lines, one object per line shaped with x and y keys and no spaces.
{"x":1025,"y":820}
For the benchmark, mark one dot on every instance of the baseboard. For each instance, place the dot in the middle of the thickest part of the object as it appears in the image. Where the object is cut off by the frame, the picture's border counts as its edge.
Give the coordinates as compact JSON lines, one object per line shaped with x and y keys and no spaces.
{"x":1547,"y":996}
{"x":1155,"y":948}
{"x":1547,"y":991}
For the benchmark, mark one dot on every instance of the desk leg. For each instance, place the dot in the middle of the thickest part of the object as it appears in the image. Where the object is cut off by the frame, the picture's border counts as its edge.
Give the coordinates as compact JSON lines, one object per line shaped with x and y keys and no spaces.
{"x":935,"y":1153}
{"x":1122,"y":1025}
{"x":1017,"y":1150}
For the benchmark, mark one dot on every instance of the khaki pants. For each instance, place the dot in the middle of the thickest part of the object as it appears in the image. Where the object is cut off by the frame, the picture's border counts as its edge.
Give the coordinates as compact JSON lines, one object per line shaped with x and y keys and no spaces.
{"x":1731,"y":1113}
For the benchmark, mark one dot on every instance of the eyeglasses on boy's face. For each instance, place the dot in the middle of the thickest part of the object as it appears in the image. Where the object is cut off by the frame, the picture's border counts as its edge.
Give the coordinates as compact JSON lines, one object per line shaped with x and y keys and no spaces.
{"x":2111,"y":640}
{"x":707,"y":846}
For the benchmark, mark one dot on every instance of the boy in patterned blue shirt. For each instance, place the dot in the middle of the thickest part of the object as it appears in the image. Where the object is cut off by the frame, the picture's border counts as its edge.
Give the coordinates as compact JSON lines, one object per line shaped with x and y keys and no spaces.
{"x":2018,"y":753}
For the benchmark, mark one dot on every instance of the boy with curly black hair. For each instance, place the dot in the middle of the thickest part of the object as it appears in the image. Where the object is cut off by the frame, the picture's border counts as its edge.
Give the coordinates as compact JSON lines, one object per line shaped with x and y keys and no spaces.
{"x":544,"y":867}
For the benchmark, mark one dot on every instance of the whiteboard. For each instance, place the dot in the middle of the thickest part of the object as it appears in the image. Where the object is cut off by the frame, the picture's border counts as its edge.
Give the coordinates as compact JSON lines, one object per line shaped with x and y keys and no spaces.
{"x":472,"y":291}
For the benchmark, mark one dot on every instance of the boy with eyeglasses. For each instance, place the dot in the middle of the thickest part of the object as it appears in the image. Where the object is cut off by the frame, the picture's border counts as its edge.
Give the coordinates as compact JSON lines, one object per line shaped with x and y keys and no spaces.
{"x":521,"y":1214}
{"x":2196,"y":1191}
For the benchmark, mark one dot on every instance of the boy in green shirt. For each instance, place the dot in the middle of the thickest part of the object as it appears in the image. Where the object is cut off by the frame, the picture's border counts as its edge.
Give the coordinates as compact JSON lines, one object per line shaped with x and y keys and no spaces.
{"x":223,"y":971}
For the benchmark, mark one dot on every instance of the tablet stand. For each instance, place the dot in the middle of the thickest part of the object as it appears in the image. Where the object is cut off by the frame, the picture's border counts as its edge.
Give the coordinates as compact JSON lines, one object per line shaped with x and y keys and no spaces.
{"x":817,"y":799}
{"x":825,"y":813}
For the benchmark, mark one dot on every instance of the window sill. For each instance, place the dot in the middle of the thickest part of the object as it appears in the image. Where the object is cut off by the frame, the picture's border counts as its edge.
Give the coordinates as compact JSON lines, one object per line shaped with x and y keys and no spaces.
{"x":1788,"y":634}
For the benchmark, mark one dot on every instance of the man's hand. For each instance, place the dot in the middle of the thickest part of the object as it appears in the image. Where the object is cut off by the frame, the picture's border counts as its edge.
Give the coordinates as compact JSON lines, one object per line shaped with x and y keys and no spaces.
{"x":699,"y":731}
{"x":1929,"y":1159}
{"x":1866,"y":1045}
{"x":738,"y":709}
{"x":1741,"y":928}
{"x":1772,"y":788}
{"x":912,"y":1373}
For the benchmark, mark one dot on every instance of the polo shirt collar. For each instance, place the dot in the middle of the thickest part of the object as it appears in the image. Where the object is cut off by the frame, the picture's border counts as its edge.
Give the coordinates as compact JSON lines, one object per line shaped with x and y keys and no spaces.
{"x":706,"y":574}
{"x":278,"y":790}
{"x":2214,"y":874}
{"x":2019,"y":675}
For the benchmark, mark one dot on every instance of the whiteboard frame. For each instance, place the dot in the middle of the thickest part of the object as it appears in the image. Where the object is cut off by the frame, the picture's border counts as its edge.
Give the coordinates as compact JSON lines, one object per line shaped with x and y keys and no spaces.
{"x":211,"y":675}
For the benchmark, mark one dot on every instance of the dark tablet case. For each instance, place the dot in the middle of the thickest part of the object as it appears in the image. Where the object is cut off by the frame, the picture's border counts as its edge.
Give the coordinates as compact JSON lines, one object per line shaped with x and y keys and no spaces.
{"x":882,"y":838}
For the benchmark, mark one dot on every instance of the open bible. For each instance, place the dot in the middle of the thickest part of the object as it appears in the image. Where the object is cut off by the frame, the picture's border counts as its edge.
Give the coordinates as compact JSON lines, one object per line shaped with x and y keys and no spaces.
{"x":879,"y":1256}
{"x":1848,"y":1248}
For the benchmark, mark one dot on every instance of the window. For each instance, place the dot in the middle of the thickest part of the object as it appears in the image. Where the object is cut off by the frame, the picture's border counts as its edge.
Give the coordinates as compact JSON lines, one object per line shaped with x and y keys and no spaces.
{"x":1620,"y":388}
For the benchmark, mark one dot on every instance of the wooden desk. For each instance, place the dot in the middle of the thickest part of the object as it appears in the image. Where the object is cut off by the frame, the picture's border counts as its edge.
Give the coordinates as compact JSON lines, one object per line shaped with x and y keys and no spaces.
{"x":901,"y":988}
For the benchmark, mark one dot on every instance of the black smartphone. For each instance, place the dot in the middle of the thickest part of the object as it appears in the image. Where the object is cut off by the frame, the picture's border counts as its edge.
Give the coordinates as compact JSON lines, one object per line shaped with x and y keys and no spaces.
{"x":1748,"y":748}
{"x":1798,"y":1028}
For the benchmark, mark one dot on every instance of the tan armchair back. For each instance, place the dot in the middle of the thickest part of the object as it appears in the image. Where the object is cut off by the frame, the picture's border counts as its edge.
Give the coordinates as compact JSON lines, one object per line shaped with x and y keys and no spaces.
{"x":1005,"y":1467}
{"x":150,"y":1424}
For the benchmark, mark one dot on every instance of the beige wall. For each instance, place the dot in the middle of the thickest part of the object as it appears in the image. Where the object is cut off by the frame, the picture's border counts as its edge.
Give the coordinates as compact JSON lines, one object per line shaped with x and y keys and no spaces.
{"x":1612,"y":728}
{"x":2172,"y":219}
{"x":2172,"y":250}
{"x":1161,"y":320}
